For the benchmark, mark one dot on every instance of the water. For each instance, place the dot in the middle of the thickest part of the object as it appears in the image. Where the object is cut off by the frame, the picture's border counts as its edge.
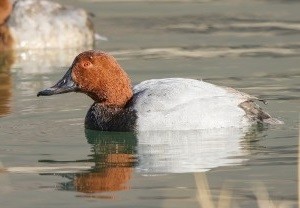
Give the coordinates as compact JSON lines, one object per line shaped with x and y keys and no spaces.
{"x":52,"y":161}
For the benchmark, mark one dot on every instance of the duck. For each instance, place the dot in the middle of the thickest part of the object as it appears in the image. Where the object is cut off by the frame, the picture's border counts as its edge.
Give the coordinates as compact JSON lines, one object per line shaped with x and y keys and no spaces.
{"x":156,"y":104}
{"x":40,"y":24}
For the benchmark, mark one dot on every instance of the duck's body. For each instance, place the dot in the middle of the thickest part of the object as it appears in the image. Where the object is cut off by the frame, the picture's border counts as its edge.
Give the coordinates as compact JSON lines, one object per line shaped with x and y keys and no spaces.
{"x":160,"y":104}
{"x":184,"y":104}
{"x":177,"y":104}
{"x":38,"y":24}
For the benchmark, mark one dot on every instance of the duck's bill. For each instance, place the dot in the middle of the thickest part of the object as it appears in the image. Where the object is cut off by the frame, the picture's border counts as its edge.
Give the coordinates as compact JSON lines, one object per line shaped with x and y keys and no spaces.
{"x":65,"y":85}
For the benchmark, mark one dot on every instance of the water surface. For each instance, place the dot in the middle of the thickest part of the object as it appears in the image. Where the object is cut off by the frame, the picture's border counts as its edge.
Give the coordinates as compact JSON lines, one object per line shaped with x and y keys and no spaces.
{"x":51,"y":160}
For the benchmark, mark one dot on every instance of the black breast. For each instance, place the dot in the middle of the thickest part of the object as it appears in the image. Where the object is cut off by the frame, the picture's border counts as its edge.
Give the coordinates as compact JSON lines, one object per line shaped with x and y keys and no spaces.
{"x":103,"y":118}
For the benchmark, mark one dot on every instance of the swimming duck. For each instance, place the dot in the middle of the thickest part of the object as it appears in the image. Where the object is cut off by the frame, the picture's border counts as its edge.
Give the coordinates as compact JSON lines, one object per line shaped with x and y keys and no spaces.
{"x":42,"y":24}
{"x":157,"y":104}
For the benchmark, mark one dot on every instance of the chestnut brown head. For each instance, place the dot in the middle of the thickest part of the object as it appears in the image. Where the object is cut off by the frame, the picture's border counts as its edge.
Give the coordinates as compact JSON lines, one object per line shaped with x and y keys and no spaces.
{"x":98,"y":75}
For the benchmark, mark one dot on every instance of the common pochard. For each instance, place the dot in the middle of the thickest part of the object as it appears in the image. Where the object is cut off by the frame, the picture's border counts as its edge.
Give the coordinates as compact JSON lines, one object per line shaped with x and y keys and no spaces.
{"x":157,"y":104}
{"x":39,"y":24}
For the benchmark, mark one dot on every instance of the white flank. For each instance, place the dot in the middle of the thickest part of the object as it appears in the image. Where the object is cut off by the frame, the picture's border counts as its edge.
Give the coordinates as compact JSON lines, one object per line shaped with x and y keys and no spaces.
{"x":186,"y":104}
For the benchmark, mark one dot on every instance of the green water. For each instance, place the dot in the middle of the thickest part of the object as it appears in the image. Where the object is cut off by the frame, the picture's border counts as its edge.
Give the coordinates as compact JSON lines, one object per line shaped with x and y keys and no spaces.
{"x":53,"y":162}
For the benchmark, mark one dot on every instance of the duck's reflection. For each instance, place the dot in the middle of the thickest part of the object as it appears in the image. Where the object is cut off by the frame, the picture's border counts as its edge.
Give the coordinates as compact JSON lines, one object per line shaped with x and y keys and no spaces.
{"x":190,"y":151}
{"x":115,"y":155}
{"x":6,"y":61}
{"x":6,"y":40}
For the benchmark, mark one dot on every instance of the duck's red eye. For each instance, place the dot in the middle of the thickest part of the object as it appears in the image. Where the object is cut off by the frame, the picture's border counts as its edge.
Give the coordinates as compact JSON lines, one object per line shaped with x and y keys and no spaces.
{"x":86,"y":64}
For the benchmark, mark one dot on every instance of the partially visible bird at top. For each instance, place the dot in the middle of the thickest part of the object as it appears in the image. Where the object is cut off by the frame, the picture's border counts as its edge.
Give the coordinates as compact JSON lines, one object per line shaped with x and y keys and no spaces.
{"x":39,"y":24}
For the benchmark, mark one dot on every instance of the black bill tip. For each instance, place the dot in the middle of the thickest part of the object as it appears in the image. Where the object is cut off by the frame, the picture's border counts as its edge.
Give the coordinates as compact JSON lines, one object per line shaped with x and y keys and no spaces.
{"x":46,"y":92}
{"x":64,"y":85}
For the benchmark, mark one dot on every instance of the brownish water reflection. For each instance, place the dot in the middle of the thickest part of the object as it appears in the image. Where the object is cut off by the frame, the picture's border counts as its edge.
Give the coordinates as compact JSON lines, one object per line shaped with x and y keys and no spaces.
{"x":113,"y":154}
{"x":113,"y":178}
{"x":6,"y":40}
{"x":6,"y":61}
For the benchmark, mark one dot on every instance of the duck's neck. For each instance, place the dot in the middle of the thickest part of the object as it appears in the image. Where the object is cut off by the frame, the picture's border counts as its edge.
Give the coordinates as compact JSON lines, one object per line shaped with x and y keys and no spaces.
{"x":116,"y":89}
{"x":109,"y":118}
{"x":5,"y":10}
{"x":114,"y":99}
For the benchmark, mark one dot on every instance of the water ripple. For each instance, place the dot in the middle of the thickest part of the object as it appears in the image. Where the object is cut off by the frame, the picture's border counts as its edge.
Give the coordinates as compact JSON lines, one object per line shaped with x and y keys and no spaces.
{"x":211,"y":52}
{"x":239,"y":27}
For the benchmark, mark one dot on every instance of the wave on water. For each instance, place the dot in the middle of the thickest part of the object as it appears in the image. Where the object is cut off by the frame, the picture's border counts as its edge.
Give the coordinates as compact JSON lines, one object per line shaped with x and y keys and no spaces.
{"x":239,"y":27}
{"x":52,"y":170}
{"x":211,"y":52}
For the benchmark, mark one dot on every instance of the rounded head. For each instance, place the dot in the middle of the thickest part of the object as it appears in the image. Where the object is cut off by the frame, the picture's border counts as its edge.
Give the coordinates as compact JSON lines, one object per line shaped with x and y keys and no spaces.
{"x":5,"y":10}
{"x":98,"y":75}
